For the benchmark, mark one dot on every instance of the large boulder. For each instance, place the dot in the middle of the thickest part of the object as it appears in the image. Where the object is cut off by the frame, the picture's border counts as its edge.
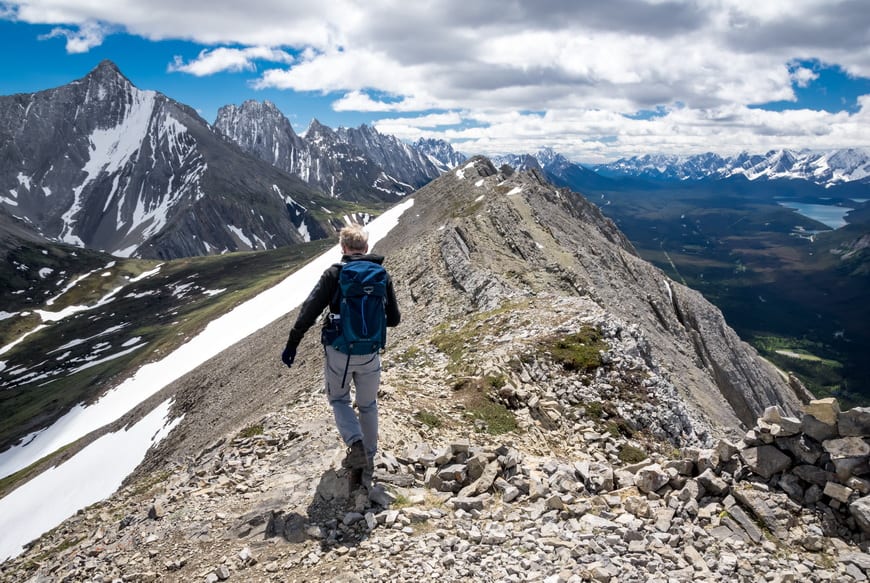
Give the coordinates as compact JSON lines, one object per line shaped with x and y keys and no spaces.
{"x":855,"y":422}
{"x":765,"y":460}
{"x":860,"y":511}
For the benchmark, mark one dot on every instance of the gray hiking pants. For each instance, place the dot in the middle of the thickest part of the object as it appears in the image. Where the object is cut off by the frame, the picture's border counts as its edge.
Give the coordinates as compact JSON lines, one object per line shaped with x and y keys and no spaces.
{"x":365,"y":371}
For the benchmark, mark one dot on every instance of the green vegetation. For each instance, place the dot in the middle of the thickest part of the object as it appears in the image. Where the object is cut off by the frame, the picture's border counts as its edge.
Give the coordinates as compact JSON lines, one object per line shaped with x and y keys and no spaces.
{"x":458,"y":342}
{"x":580,"y":351}
{"x":594,"y":410}
{"x":146,"y":485}
{"x":251,"y":431}
{"x":734,"y":243}
{"x":161,"y":311}
{"x":818,"y":366}
{"x":630,"y":454}
{"x":429,"y":419}
{"x":495,"y":418}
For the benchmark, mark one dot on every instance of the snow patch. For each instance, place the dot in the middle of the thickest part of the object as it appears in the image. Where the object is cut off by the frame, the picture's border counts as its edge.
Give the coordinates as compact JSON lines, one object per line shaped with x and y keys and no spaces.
{"x":70,"y":310}
{"x":45,"y":272}
{"x":7,"y":315}
{"x":303,"y":231}
{"x":106,"y":359}
{"x":24,"y":180}
{"x":145,"y":274}
{"x":18,"y":340}
{"x":126,"y":251}
{"x":68,"y":287}
{"x":214,"y":292}
{"x":241,"y":236}
{"x":515,"y":190}
{"x":110,"y":149}
{"x":89,"y":476}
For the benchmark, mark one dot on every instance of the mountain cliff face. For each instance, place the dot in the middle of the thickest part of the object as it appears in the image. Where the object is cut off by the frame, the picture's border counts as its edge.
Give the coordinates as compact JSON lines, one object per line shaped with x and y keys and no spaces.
{"x":352,"y":164}
{"x":440,"y":153}
{"x":550,"y":404}
{"x":103,"y":164}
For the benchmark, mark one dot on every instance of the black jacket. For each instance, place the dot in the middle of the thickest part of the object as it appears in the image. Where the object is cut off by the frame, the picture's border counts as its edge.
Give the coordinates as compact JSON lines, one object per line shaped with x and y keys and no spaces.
{"x":325,"y":294}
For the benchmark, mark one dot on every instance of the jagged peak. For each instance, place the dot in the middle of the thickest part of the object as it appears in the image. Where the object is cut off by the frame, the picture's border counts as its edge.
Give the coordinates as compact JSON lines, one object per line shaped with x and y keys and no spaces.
{"x":107,"y":70}
{"x":315,"y":128}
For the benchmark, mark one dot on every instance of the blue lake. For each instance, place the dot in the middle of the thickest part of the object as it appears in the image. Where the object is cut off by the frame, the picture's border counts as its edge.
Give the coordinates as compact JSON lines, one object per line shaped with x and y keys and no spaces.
{"x":830,"y":215}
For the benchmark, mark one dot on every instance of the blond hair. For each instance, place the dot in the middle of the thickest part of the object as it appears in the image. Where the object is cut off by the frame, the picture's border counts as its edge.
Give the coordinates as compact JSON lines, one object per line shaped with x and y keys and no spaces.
{"x":354,"y":238}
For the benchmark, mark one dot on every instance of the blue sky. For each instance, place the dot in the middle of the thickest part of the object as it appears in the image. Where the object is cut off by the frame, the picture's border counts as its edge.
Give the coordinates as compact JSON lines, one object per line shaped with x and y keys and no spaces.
{"x":596,"y":81}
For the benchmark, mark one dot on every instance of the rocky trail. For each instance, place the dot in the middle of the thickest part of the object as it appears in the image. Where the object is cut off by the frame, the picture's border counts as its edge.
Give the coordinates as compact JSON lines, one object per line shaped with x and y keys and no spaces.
{"x":552,"y":408}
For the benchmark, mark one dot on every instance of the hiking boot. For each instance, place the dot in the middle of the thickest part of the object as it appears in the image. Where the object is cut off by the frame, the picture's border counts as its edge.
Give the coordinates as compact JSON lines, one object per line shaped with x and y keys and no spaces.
{"x":356,"y":456}
{"x":368,"y":475}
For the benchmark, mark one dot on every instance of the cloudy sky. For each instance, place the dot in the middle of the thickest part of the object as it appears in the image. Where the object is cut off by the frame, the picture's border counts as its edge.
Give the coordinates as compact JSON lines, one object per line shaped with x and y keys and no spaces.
{"x":595,"y":80}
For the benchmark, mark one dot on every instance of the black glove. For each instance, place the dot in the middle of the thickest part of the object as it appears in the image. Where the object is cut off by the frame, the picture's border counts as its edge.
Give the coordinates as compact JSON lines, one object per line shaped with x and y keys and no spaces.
{"x":289,"y":355}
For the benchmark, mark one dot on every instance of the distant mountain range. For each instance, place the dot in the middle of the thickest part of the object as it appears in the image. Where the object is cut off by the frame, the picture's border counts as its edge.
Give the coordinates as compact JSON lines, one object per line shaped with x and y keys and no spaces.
{"x":356,"y":164}
{"x":99,"y":163}
{"x":826,"y":169}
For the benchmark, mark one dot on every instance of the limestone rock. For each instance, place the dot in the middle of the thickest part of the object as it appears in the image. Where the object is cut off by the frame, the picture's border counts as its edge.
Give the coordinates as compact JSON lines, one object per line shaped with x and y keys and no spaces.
{"x":765,"y":460}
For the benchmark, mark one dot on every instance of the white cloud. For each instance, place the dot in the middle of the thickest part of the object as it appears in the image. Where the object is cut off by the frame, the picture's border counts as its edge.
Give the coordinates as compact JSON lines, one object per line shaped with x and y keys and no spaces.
{"x":803,"y":76}
{"x":82,"y":39}
{"x":209,"y":62}
{"x":524,"y":74}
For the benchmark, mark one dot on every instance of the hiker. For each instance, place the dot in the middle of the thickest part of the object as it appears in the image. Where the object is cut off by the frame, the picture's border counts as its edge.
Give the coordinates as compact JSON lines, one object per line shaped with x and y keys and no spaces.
{"x":351,"y":354}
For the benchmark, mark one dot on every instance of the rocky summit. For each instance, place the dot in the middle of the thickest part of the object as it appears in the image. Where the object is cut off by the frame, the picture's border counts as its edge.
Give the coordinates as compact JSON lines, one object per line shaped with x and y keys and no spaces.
{"x":552,"y":407}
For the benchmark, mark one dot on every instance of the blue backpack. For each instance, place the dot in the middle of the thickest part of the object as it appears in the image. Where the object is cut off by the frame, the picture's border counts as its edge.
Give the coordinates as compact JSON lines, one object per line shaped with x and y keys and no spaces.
{"x":363,"y":290}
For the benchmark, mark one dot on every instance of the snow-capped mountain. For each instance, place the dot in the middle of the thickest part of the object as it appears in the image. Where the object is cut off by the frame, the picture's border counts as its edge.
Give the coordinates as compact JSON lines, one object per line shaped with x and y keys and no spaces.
{"x":102,"y":164}
{"x":519,"y":162}
{"x":440,"y":153}
{"x":826,"y":168}
{"x":358,"y":164}
{"x":558,"y":169}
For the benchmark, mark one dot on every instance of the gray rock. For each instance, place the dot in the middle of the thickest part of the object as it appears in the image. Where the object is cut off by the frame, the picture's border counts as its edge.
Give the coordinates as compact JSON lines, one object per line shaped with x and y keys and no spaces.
{"x":813,"y":474}
{"x":468,"y":504}
{"x":854,"y":422}
{"x":818,"y":430}
{"x":712,"y":483}
{"x":651,"y":478}
{"x":352,"y":518}
{"x":837,"y":492}
{"x":860,"y":560}
{"x":748,"y":525}
{"x":860,"y":511}
{"x":803,"y":448}
{"x":846,"y":447}
{"x":847,"y":467}
{"x":663,"y":517}
{"x":825,"y":410}
{"x":765,"y":460}
{"x":791,"y":485}
{"x":770,"y":508}
{"x":453,"y":472}
{"x":726,"y":450}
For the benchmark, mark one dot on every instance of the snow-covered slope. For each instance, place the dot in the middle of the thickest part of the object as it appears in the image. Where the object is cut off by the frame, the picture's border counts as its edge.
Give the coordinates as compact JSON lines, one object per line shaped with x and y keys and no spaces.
{"x":97,"y":470}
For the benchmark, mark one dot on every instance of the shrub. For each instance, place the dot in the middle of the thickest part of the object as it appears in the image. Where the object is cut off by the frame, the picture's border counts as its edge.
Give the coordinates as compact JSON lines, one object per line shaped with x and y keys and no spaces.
{"x":580,"y":351}
{"x":630,"y":454}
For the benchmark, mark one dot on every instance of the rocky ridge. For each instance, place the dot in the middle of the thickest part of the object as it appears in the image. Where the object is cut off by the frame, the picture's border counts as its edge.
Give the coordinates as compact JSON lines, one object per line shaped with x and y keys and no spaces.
{"x":535,"y":342}
{"x":567,"y":496}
